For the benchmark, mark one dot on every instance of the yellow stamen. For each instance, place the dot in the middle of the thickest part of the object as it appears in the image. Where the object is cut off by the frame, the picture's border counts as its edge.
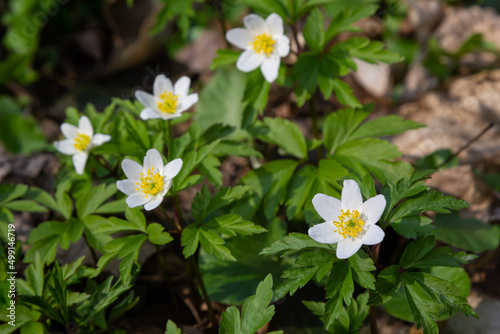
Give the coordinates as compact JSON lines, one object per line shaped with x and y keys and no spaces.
{"x":263,"y":43}
{"x":168,"y":102}
{"x":152,"y":183}
{"x":349,"y":224}
{"x":81,"y":141}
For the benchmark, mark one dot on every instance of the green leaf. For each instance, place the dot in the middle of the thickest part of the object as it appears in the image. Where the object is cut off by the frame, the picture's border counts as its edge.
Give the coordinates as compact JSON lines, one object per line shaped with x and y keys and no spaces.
{"x":126,"y":249}
{"x":340,"y":287}
{"x":299,"y":189}
{"x":172,"y":328}
{"x":422,"y":307}
{"x":231,"y":282}
{"x":428,"y":201}
{"x":24,"y":205}
{"x":221,"y":99}
{"x":255,"y":312}
{"x":157,"y":236}
{"x":314,"y":32}
{"x":308,"y":265}
{"x":269,"y":184}
{"x":372,"y":155}
{"x":267,"y":7}
{"x":232,"y":224}
{"x":224,"y":57}
{"x":412,"y":227}
{"x":469,"y":234}
{"x":386,"y":286}
{"x":340,"y":126}
{"x":374,"y":52}
{"x":286,"y":135}
{"x":344,"y":18}
{"x":9,"y":192}
{"x":47,"y":236}
{"x":345,"y":94}
{"x":296,"y":242}
{"x":416,"y":250}
{"x":257,"y":91}
{"x":210,"y":167}
{"x":190,"y":239}
{"x":205,"y":203}
{"x":92,"y":200}
{"x":385,"y":126}
{"x":361,"y":265}
{"x":42,"y":197}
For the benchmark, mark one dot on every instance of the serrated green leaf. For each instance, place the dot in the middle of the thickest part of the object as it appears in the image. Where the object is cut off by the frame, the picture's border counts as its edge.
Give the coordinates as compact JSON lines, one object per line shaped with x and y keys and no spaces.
{"x":412,"y":227}
{"x":255,"y":311}
{"x":9,"y":192}
{"x":24,"y":206}
{"x":374,"y":52}
{"x":224,"y":57}
{"x":416,"y":250}
{"x":296,"y":242}
{"x":339,"y":288}
{"x":189,"y":240}
{"x":361,"y":265}
{"x":286,"y":135}
{"x":314,"y":32}
{"x":204,"y":203}
{"x":386,"y":286}
{"x":91,"y":201}
{"x":344,"y":94}
{"x":428,"y":201}
{"x":157,"y":236}
{"x":172,"y":328}
{"x":299,"y":189}
{"x":232,"y":224}
{"x":339,"y":127}
{"x":385,"y":126}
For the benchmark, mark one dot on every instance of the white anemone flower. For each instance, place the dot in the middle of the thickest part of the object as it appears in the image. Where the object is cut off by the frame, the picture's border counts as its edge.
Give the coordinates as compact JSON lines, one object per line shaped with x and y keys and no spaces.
{"x":167,"y":101}
{"x":147,"y":185}
{"x":264,"y":43}
{"x":79,"y":141}
{"x":349,"y":222}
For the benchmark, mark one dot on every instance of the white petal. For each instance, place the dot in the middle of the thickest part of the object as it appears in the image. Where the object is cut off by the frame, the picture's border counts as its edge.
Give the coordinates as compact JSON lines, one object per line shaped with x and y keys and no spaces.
{"x":79,"y":161}
{"x":373,"y":209}
{"x":172,"y":168}
{"x":283,"y":46}
{"x":373,"y":235}
{"x":327,"y":207}
{"x":128,"y":187}
{"x":181,"y":86}
{"x":154,"y":203}
{"x":275,"y":24}
{"x":270,"y":68}
{"x":348,"y":247}
{"x":132,"y":169}
{"x":324,"y":233}
{"x":69,"y":130}
{"x":165,"y":116}
{"x":187,"y":102}
{"x":249,"y":61}
{"x":351,"y":196}
{"x":240,"y":37}
{"x":146,"y":99}
{"x":66,"y":146}
{"x":137,"y":199}
{"x":161,"y":84}
{"x":153,"y":159}
{"x":150,"y":113}
{"x":100,"y":139}
{"x":85,"y":127}
{"x":256,"y":24}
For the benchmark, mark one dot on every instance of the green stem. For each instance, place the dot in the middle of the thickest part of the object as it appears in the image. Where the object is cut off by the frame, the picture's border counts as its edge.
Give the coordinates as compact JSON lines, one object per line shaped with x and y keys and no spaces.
{"x":168,"y":218}
{"x":164,"y":271}
{"x":319,"y":152}
{"x":196,"y":270}
{"x":373,"y":309}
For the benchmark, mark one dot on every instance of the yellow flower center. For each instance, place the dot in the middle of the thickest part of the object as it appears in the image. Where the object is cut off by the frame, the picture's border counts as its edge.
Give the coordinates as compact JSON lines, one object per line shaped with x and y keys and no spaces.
{"x":152,"y":183}
{"x":81,"y":141}
{"x":263,"y":43}
{"x":349,"y":224}
{"x":168,"y":102}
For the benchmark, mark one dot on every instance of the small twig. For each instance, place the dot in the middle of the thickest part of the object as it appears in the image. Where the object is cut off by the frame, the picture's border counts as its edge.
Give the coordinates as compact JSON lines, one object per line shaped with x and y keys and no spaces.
{"x":469,"y":143}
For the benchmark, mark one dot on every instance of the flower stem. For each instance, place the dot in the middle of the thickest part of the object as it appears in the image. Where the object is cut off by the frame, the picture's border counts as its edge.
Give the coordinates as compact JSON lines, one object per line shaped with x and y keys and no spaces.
{"x":319,"y":152}
{"x":196,"y":270}
{"x":373,"y":308}
{"x":169,"y":219}
{"x":164,"y":271}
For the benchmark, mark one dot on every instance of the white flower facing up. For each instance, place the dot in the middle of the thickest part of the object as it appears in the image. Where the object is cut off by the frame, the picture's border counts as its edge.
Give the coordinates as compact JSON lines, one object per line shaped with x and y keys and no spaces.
{"x":147,"y":185}
{"x":264,"y":43}
{"x":349,"y":222}
{"x":167,"y":101}
{"x":79,"y":141}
